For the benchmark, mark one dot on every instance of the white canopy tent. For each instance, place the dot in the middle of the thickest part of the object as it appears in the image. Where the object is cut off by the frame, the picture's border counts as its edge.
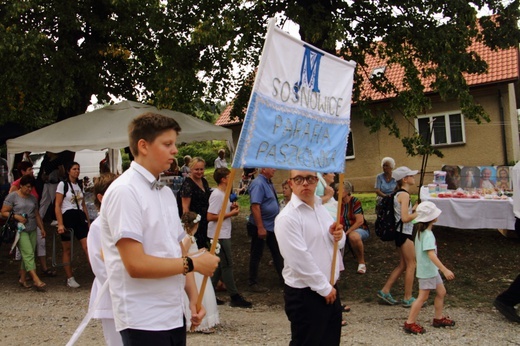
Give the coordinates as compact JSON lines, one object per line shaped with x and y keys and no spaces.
{"x":108,"y":128}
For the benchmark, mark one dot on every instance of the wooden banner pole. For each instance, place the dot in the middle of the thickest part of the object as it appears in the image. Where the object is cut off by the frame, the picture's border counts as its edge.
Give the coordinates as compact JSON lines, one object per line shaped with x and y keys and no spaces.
{"x":338,"y":216}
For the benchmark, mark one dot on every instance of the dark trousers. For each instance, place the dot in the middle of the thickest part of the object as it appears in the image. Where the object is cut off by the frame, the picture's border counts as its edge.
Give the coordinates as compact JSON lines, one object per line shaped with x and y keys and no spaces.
{"x":511,"y":296}
{"x":257,"y":250}
{"x":137,"y":337}
{"x":313,"y":322}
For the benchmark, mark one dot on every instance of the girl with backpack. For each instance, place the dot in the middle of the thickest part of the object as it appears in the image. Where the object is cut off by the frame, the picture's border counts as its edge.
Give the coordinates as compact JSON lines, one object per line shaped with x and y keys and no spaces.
{"x":71,"y":212}
{"x":404,"y":214}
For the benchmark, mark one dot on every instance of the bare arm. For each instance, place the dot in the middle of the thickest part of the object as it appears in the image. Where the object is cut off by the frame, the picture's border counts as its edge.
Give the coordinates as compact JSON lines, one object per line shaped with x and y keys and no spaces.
{"x":13,"y":188}
{"x":138,"y":264}
{"x":404,"y":200}
{"x":186,"y":201}
{"x":6,"y":209}
{"x":57,"y":211}
{"x":257,"y":215}
{"x":328,"y":194}
{"x":379,"y":193}
{"x":214,"y":217}
{"x":359,"y":221}
{"x":447,"y":273}
{"x":85,"y":210}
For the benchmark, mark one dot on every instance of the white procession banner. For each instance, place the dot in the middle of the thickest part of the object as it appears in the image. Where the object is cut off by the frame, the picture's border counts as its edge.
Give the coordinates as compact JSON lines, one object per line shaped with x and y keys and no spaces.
{"x":298,"y":115}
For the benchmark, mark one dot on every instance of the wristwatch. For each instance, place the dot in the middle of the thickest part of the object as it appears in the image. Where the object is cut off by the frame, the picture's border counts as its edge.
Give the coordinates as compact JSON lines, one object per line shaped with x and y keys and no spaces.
{"x":188,"y":264}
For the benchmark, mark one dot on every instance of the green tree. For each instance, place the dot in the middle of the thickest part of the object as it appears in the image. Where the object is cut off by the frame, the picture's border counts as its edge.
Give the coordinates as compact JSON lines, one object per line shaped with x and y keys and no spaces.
{"x":186,"y":54}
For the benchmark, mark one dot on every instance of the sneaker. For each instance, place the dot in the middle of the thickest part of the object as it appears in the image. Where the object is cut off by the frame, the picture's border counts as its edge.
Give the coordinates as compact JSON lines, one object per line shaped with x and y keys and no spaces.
{"x":237,"y":301}
{"x":413,"y":328}
{"x":408,"y":303}
{"x":54,"y":223}
{"x":256,"y":288}
{"x":71,"y":282}
{"x":386,"y":297}
{"x":508,"y":311}
{"x":220,"y":302}
{"x":443,"y":322}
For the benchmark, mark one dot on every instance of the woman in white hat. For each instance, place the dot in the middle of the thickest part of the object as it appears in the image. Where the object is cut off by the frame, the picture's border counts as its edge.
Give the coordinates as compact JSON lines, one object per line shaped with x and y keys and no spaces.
{"x":428,"y":265}
{"x":404,"y":214}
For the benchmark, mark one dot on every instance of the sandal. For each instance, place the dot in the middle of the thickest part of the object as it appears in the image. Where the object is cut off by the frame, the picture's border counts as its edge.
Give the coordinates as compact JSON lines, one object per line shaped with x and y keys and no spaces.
{"x":345,"y":308}
{"x":361,"y":268}
{"x":49,"y":273}
{"x":40,"y":287}
{"x":24,"y":284}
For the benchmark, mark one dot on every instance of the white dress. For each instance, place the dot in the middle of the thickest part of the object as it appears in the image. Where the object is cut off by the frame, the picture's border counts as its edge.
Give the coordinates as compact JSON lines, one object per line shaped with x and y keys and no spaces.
{"x":209,"y":301}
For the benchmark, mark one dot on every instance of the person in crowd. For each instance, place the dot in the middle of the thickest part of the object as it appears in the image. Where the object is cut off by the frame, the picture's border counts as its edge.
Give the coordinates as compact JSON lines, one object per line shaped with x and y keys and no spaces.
{"x":71,"y":213}
{"x":185,"y":168}
{"x":385,"y":183}
{"x":507,"y":300}
{"x":248,"y":175}
{"x":220,"y":161}
{"x":356,"y":227}
{"x":324,"y":189}
{"x":306,"y":233}
{"x":104,"y":309}
{"x":51,"y":172}
{"x":24,"y":206}
{"x":194,"y":196}
{"x":286,"y":194}
{"x":104,"y":165}
{"x":428,"y":266}
{"x":224,"y":271}
{"x":147,"y":268}
{"x":174,"y":169}
{"x":503,"y":179}
{"x":404,"y":214}
{"x":260,"y":227}
{"x":4,"y":178}
{"x":326,"y":192}
{"x":485,"y":179}
{"x":190,"y":222}
{"x":26,"y":168}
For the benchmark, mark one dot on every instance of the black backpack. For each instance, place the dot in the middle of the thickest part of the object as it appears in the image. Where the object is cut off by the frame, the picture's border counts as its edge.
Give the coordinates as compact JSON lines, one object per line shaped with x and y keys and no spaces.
{"x":386,"y":226}
{"x":66,"y":186}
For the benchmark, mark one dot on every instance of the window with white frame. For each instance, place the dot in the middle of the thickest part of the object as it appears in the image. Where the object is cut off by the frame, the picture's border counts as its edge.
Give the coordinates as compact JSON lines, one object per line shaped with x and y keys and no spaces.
{"x":448,"y":128}
{"x":350,"y":147}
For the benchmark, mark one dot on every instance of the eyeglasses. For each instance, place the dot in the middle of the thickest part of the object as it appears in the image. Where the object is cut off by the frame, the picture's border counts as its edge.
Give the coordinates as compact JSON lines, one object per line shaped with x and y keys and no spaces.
{"x":310,"y":179}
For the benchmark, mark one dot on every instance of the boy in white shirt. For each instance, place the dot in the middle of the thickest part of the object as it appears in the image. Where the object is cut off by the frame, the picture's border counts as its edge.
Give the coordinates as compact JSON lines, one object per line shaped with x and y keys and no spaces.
{"x":225,"y":268}
{"x":141,"y":234}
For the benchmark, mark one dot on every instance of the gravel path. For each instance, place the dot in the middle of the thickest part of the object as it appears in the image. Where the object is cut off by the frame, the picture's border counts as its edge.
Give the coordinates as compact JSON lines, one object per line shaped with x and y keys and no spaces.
{"x":31,"y":318}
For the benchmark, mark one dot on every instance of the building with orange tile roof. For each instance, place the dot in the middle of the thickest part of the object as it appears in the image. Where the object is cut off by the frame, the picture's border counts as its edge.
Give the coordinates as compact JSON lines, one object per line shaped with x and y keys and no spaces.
{"x":462,"y":141}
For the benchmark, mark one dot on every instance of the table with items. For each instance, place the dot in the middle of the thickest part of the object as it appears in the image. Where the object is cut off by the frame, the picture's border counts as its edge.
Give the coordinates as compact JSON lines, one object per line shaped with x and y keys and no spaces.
{"x":472,"y":209}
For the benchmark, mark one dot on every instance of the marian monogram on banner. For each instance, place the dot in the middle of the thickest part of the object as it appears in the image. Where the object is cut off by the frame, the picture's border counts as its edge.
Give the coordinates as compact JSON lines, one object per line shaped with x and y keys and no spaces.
{"x":299,"y":113}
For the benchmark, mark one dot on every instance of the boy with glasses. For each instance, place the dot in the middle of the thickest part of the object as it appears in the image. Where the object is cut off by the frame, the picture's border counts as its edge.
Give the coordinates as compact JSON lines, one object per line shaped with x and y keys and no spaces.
{"x":306,"y":235}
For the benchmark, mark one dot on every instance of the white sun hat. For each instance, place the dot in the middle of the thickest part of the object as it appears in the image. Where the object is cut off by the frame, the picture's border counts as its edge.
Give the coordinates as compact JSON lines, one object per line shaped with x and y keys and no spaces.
{"x":426,"y":212}
{"x":401,"y":172}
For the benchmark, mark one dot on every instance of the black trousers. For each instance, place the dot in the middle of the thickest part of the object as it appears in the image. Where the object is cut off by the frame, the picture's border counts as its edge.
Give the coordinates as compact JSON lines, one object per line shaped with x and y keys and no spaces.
{"x":257,"y":250}
{"x":511,"y":296}
{"x":313,"y":322}
{"x":137,"y":337}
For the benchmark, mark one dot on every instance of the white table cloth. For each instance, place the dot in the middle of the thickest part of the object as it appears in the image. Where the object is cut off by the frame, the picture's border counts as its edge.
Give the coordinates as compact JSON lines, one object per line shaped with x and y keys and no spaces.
{"x":473,"y":213}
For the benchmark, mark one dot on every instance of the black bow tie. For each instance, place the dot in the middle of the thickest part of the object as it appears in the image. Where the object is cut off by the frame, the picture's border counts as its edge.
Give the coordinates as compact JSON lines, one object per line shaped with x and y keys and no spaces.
{"x":157,"y":185}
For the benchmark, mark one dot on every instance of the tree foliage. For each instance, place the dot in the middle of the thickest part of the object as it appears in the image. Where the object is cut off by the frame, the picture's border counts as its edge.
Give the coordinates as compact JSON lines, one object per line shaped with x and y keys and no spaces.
{"x":187,"y":55}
